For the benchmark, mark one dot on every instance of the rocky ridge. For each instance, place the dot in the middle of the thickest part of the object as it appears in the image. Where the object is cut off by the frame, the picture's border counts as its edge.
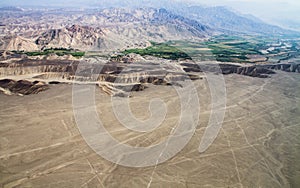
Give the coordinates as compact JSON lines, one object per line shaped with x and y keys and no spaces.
{"x":120,"y":79}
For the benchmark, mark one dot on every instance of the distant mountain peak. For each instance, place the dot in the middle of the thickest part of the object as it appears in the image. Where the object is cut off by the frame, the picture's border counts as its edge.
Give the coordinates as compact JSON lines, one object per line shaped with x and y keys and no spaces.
{"x":11,"y":8}
{"x":226,"y":20}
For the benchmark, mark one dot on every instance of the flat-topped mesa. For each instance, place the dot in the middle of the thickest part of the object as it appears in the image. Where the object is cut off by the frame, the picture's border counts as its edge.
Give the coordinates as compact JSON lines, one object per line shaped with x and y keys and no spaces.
{"x":287,"y":67}
{"x":261,"y":71}
{"x":26,"y":67}
{"x":115,"y":77}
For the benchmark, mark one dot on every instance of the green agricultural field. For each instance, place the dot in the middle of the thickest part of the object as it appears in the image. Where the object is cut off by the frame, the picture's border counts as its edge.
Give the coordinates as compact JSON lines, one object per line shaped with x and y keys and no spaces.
{"x":239,"y":48}
{"x":57,"y":51}
{"x":223,"y":48}
{"x":162,"y":50}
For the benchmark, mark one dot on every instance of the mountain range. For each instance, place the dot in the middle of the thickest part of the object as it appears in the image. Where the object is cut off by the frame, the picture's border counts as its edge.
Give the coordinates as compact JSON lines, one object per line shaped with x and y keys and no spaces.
{"x":225,"y":20}
{"x":113,"y":29}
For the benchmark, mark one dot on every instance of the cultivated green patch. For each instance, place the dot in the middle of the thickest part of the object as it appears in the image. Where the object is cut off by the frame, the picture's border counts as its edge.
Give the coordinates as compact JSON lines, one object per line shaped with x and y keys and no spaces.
{"x":242,"y":49}
{"x":252,"y":49}
{"x":57,"y":51}
{"x":162,"y":50}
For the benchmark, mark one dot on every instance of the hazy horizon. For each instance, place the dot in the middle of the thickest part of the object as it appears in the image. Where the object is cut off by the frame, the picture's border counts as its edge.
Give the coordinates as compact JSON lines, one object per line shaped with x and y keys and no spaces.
{"x":278,"y":12}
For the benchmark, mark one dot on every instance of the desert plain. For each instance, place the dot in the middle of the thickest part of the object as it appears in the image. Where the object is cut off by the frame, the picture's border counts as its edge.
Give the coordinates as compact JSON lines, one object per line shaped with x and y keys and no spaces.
{"x":257,"y":146}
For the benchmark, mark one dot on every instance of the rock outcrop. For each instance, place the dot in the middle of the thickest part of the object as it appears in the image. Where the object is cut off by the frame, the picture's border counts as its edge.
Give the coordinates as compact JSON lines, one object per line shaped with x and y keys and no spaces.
{"x":22,"y":87}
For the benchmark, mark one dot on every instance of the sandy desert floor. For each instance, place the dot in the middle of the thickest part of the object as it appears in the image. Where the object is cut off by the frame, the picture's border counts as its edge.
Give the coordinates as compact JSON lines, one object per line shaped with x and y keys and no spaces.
{"x":258,"y":145}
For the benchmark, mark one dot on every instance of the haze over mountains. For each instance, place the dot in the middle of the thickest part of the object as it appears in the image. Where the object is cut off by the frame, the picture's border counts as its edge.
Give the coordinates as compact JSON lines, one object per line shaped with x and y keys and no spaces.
{"x":280,"y":12}
{"x":95,"y":29}
{"x":120,"y":28}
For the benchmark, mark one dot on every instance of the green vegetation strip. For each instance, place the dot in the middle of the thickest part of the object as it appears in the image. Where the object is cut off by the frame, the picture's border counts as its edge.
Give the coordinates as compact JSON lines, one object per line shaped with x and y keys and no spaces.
{"x":57,"y":51}
{"x":162,"y":50}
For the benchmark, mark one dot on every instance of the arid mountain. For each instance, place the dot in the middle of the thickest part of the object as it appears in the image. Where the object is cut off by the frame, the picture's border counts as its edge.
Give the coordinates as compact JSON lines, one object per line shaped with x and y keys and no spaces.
{"x":225,"y":20}
{"x":121,"y":28}
{"x":19,"y":43}
{"x":108,"y":29}
{"x":70,"y":37}
{"x":162,"y":16}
